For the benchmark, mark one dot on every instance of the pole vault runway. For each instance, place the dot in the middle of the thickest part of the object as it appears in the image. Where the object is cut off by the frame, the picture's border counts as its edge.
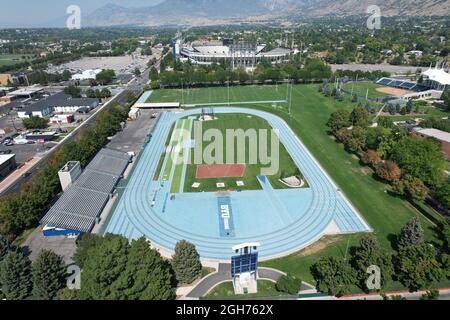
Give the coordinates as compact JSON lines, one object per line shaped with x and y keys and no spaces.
{"x":282,"y":220}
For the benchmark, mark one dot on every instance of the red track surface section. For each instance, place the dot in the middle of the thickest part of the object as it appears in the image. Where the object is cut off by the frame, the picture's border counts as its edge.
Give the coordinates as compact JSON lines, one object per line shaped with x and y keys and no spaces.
{"x":206,"y":171}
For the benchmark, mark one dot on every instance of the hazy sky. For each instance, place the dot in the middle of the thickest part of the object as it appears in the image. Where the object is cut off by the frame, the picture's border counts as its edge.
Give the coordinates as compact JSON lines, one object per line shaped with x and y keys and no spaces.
{"x":24,"y":13}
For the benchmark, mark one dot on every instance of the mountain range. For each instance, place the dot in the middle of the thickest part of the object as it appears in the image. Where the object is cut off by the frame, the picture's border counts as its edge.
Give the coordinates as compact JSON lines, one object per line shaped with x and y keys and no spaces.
{"x":207,"y":12}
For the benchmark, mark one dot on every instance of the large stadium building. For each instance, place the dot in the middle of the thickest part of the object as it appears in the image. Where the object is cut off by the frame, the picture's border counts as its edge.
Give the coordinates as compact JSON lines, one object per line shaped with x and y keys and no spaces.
{"x":236,"y":53}
{"x":437,"y":79}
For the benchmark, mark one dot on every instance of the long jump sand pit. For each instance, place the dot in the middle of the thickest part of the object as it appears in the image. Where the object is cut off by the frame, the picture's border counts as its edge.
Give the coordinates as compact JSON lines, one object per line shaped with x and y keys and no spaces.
{"x":393,"y":91}
{"x":207,"y":171}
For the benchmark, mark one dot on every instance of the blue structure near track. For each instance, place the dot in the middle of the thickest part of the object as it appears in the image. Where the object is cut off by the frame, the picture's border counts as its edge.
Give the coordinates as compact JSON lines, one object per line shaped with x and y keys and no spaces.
{"x":225,"y":215}
{"x":281,"y":220}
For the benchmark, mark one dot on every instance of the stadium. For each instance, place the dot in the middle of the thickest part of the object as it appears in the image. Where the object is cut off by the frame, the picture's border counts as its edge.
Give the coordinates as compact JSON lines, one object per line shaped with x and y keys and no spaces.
{"x":160,"y":200}
{"x":433,"y":79}
{"x":235,"y":53}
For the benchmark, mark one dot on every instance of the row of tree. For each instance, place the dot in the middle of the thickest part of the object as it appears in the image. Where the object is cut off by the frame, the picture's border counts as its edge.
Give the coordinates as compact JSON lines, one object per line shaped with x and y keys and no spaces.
{"x":411,"y":165}
{"x":115,"y":269}
{"x":186,"y":74}
{"x":24,"y":209}
{"x":415,"y":263}
{"x":19,"y":278}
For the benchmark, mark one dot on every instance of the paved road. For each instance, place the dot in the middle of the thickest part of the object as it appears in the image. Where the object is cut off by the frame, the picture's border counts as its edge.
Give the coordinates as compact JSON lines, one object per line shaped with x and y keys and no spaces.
{"x":224,"y":274}
{"x":15,"y":186}
{"x":135,"y":85}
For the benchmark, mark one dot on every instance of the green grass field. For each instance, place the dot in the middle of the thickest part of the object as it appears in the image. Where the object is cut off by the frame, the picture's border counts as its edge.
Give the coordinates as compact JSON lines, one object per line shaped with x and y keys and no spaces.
{"x":245,"y":122}
{"x":385,"y":213}
{"x":221,"y":94}
{"x":226,"y":291}
{"x":10,"y":59}
{"x":173,"y":142}
{"x":177,"y":175}
{"x":361,"y":88}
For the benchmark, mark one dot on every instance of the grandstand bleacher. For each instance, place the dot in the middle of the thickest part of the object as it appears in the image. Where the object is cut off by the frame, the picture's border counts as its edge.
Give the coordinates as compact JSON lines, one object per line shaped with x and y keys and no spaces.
{"x":407,"y":85}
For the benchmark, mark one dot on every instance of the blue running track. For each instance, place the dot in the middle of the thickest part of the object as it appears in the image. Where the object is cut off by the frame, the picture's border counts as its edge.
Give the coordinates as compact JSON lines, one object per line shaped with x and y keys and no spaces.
{"x":282,"y":220}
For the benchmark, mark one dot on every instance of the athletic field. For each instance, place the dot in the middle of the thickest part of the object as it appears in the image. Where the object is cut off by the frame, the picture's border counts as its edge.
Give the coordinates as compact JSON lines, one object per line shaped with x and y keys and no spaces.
{"x":282,"y":220}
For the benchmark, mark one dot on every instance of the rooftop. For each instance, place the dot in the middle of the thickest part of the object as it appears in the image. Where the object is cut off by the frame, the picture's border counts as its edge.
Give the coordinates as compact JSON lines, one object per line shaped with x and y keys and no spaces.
{"x":6,"y":157}
{"x":84,"y":200}
{"x":25,"y":91}
{"x":438,"y":75}
{"x":61,"y":100}
{"x":435,"y":133}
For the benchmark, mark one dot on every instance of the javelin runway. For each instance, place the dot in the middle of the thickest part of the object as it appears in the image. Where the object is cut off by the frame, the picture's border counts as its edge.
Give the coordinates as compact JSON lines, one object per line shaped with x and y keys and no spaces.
{"x":283,"y":221}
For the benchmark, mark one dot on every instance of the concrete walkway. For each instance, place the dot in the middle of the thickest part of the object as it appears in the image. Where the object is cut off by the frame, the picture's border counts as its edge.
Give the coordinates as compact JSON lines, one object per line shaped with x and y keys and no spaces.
{"x":223,"y":274}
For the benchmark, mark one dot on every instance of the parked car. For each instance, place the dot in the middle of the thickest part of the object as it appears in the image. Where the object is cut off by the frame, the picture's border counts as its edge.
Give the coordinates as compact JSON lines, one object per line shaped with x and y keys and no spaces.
{"x":6,"y":151}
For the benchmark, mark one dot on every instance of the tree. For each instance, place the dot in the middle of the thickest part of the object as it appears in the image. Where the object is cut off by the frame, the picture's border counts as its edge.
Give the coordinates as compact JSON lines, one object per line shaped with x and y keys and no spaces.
{"x":359,"y":117}
{"x":154,"y":74}
{"x":385,"y":122}
{"x":66,"y":75}
{"x":87,"y":242}
{"x":411,"y":188}
{"x":333,"y":275}
{"x":445,"y":263}
{"x":103,"y":267}
{"x":446,"y":97}
{"x":147,"y":276}
{"x":417,"y":267}
{"x":72,"y":90}
{"x":15,"y":276}
{"x":186,"y":262}
{"x":105,"y":76}
{"x":371,"y":157}
{"x":115,"y":270}
{"x":49,"y":275}
{"x":137,"y":72}
{"x":35,"y":123}
{"x":411,"y":234}
{"x":338,"y":120}
{"x":357,"y":140}
{"x":288,"y":284}
{"x":420,"y":158}
{"x":430,"y":295}
{"x":389,"y":171}
{"x":67,"y":294}
{"x":5,"y":247}
{"x":367,"y":254}
{"x":409,"y":106}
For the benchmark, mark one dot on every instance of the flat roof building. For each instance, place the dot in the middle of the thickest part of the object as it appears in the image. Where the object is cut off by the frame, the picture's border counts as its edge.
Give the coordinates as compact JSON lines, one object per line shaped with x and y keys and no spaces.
{"x":442,"y":136}
{"x":7,"y":165}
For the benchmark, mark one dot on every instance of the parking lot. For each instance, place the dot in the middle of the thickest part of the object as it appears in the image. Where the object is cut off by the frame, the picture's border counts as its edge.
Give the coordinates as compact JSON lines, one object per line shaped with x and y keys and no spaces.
{"x":132,"y":137}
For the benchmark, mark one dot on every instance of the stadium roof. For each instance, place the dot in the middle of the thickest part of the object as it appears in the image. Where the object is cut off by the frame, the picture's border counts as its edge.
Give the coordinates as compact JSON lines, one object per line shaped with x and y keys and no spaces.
{"x":84,"y":200}
{"x":438,"y":75}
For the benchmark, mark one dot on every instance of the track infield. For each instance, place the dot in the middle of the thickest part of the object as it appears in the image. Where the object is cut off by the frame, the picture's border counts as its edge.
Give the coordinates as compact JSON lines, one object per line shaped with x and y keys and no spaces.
{"x":207,"y":171}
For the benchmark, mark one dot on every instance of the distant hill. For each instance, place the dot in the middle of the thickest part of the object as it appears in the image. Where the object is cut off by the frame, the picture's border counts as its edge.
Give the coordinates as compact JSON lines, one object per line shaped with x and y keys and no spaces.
{"x":199,"y":12}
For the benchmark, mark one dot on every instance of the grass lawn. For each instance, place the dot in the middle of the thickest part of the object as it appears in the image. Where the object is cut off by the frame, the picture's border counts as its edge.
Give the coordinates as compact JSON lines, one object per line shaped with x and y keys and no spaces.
{"x":221,"y":94}
{"x":385,"y":213}
{"x":177,"y":175}
{"x":226,"y":291}
{"x":175,"y":135}
{"x":360,"y":89}
{"x":10,"y":59}
{"x":245,"y":122}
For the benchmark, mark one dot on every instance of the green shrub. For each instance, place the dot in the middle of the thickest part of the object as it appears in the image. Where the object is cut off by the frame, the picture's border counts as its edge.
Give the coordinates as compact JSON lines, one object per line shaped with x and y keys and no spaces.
{"x":289,"y":284}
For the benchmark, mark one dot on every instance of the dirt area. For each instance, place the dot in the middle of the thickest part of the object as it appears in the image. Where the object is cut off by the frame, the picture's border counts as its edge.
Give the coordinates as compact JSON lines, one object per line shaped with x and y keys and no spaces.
{"x":319,"y":245}
{"x":393,"y":91}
